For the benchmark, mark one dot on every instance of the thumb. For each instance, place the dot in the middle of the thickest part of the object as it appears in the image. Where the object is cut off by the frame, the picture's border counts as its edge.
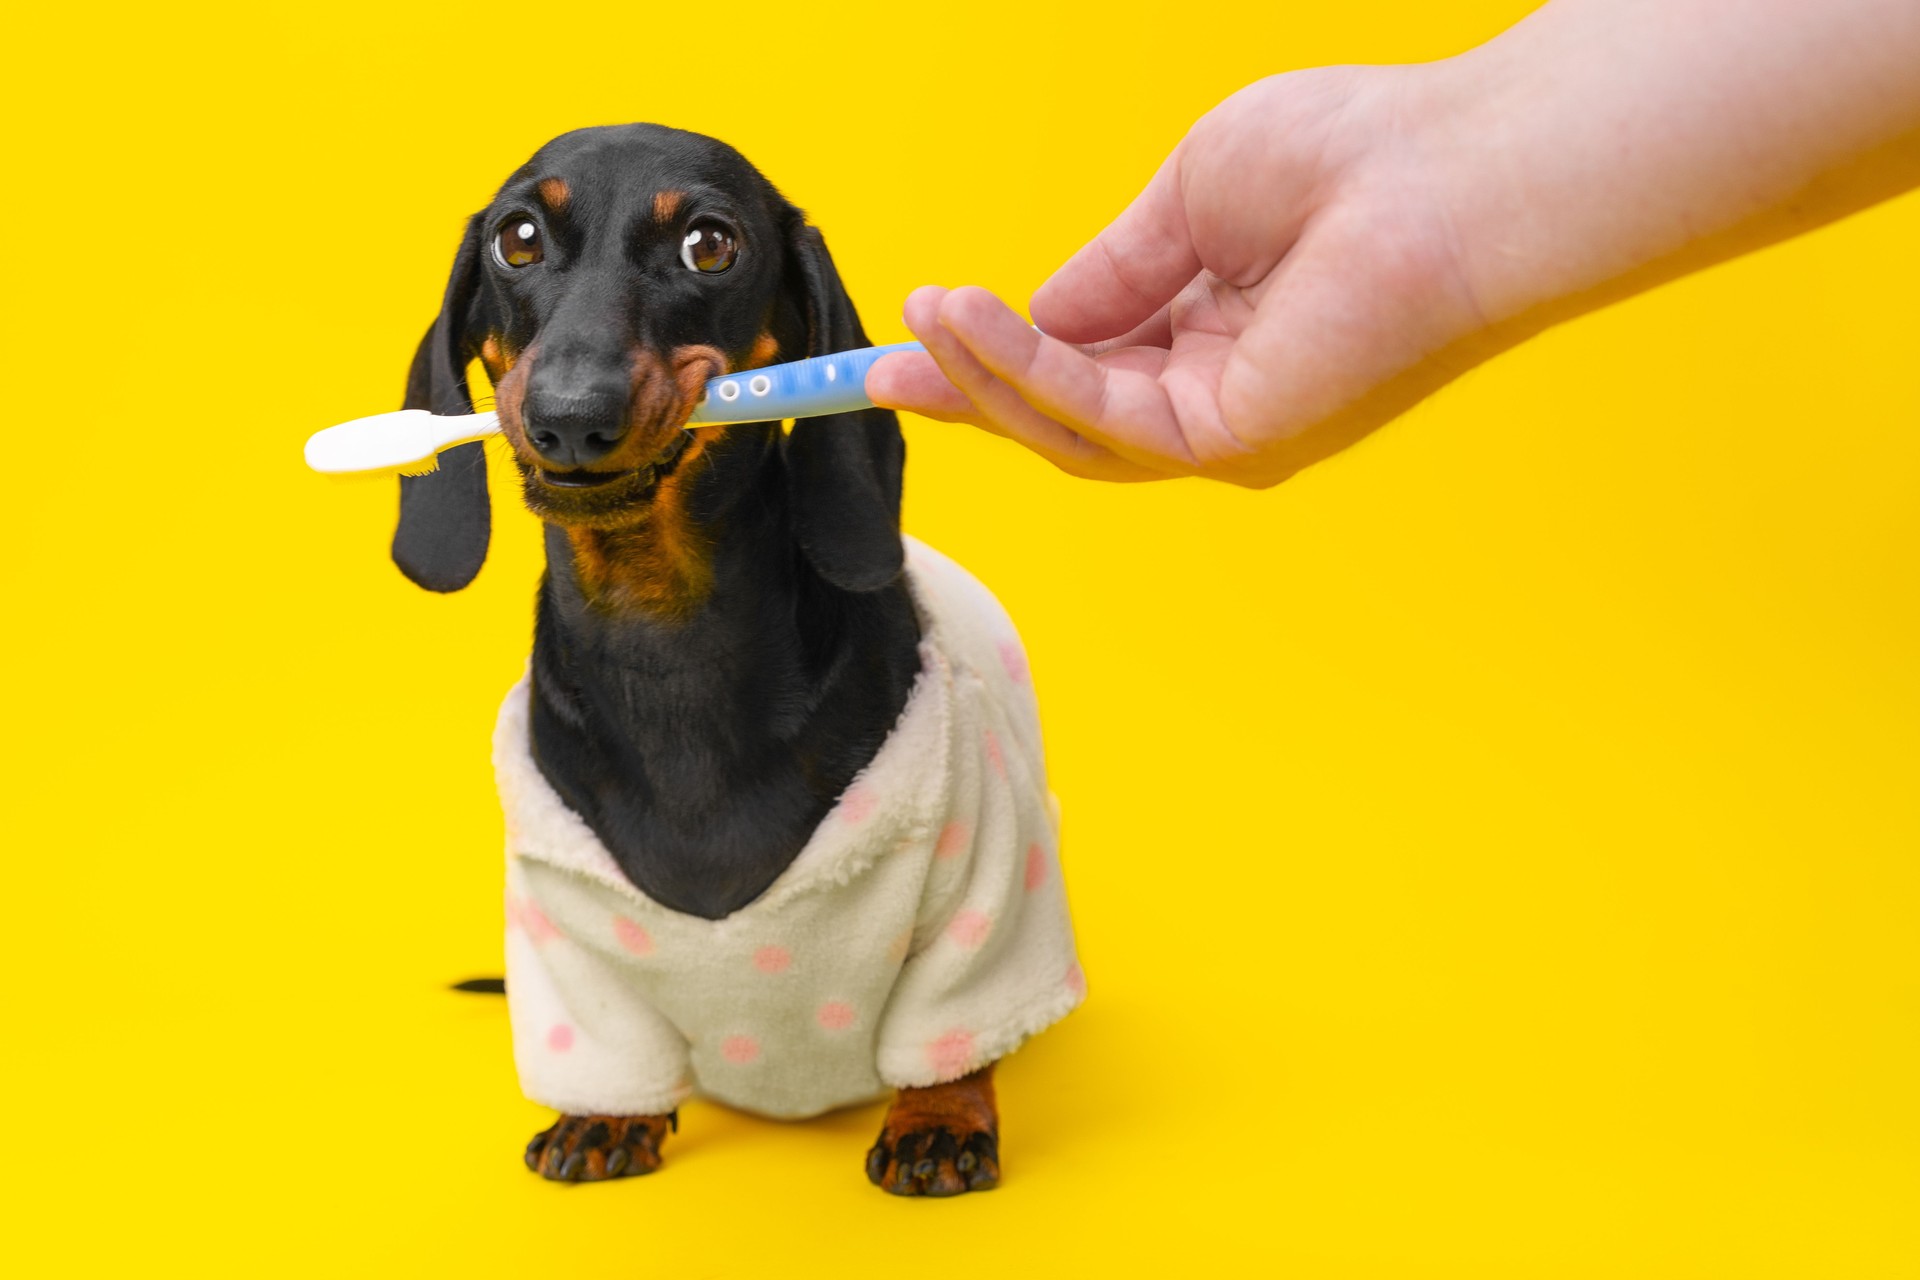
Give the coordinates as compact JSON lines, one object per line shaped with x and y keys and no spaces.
{"x":1128,"y":272}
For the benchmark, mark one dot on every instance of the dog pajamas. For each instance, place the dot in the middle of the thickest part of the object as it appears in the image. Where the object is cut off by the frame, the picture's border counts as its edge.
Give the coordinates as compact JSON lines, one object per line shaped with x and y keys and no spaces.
{"x":920,"y":934}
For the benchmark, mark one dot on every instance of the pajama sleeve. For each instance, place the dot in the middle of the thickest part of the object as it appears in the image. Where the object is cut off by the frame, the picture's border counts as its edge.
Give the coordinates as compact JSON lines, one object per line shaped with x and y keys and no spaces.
{"x":585,"y":1041}
{"x":992,"y":959}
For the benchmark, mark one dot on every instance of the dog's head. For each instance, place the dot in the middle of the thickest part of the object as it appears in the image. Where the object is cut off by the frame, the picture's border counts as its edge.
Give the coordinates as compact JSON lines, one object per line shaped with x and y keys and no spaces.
{"x":613,"y":274}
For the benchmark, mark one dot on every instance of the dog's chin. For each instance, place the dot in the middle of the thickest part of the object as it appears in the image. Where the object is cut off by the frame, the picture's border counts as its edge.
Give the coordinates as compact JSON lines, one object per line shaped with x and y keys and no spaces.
{"x":618,"y":505}
{"x":599,"y":500}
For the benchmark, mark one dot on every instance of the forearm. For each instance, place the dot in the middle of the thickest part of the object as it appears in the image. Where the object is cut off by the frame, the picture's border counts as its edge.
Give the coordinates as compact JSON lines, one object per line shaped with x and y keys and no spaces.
{"x":1603,"y":146}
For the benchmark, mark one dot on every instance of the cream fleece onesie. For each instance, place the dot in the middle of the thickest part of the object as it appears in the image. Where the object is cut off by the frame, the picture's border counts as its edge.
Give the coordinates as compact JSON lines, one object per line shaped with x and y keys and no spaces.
{"x":920,"y":934}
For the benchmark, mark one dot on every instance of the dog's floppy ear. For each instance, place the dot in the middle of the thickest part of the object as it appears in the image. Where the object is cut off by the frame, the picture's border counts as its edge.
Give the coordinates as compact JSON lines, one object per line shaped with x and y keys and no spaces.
{"x":445,"y":521}
{"x":843,"y":470}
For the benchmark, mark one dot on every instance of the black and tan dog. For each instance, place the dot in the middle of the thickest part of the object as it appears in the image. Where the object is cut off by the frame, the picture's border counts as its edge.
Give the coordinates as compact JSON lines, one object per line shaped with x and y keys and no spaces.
{"x":723,"y":636}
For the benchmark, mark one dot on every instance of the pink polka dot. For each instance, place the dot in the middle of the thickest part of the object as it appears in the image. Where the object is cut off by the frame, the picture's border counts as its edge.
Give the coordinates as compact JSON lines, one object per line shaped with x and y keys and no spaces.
{"x":994,"y":757}
{"x":740,"y":1050}
{"x":953,"y":840}
{"x":535,"y":922}
{"x":835,"y":1015}
{"x":772,"y":959}
{"x":857,"y":805}
{"x":951,"y":1054}
{"x":559,"y":1037}
{"x":632,"y":937}
{"x":1014,"y":659}
{"x":1076,"y":980}
{"x":1036,"y":866}
{"x":969,"y":928}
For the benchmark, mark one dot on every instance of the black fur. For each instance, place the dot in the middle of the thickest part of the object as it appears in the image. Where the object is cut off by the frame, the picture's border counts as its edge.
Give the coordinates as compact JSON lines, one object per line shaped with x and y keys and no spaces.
{"x":703,"y":750}
{"x":445,"y":522}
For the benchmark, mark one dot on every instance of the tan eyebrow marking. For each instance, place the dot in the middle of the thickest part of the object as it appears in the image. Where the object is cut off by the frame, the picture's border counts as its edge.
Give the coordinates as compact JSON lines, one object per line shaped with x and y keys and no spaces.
{"x":666,"y":204}
{"x":555,"y":193}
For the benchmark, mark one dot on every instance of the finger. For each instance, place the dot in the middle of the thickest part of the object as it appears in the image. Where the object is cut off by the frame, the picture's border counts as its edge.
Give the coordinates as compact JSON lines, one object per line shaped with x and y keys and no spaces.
{"x":1120,"y":406}
{"x":1127,"y":272}
{"x":1001,"y":410}
{"x":922,"y":313}
{"x":910,"y":380}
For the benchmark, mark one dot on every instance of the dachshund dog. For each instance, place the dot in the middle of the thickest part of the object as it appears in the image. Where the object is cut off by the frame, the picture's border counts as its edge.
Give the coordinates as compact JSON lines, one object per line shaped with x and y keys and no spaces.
{"x":726,"y":634}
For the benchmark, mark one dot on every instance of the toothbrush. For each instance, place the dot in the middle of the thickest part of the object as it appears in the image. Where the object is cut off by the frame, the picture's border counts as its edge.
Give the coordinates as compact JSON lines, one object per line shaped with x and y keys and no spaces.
{"x":834,"y":383}
{"x":409,"y":441}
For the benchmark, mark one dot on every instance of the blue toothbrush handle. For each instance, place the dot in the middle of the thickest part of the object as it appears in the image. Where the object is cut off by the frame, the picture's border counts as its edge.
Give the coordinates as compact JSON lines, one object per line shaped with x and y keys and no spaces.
{"x":835,"y":383}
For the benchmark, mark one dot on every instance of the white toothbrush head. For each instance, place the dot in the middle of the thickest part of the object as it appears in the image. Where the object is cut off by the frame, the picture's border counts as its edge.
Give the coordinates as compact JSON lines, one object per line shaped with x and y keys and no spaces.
{"x":405,"y":442}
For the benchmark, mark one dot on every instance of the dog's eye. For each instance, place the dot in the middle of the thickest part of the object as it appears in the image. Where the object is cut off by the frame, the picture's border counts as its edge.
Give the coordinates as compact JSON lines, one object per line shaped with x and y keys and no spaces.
{"x":518,"y":243}
{"x":708,"y":248}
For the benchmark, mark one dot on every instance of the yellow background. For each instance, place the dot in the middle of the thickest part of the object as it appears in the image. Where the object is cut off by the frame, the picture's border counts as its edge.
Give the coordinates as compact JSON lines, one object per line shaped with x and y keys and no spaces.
{"x":1494,"y":851}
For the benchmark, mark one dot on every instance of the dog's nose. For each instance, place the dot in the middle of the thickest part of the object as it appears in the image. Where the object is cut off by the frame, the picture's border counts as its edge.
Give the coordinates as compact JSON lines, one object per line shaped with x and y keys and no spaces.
{"x":571,"y":427}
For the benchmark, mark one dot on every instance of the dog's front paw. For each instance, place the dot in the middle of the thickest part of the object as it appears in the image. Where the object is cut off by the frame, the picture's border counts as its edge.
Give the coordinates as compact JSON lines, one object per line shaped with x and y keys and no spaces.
{"x":937,"y":1161}
{"x":940,"y":1140}
{"x":596,"y":1148}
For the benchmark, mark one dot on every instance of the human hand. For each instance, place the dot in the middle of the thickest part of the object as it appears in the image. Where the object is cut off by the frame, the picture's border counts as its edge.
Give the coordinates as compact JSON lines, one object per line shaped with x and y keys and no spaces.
{"x":1328,"y":247}
{"x":1247,"y":315}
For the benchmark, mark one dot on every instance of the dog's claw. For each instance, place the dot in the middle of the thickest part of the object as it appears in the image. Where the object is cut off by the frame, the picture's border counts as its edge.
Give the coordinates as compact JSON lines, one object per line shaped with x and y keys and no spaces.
{"x":934,"y":1162}
{"x":596,"y":1148}
{"x":982,"y":1162}
{"x":946,"y":1183}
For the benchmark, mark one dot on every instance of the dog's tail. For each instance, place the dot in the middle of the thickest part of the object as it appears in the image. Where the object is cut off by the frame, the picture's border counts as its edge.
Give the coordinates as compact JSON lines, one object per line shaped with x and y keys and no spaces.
{"x":483,"y":986}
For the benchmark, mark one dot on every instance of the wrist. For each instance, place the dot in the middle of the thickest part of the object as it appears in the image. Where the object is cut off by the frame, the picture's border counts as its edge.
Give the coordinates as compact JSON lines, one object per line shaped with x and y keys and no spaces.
{"x":1512,"y":171}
